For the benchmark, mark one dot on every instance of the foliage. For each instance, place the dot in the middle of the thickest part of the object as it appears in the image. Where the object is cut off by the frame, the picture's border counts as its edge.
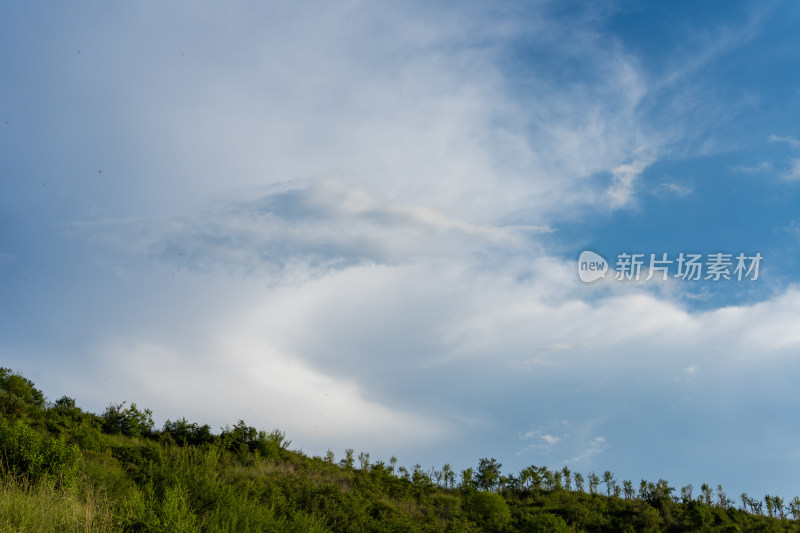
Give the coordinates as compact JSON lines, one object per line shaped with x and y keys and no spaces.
{"x":129,"y":421}
{"x":186,"y":433}
{"x":29,"y":453}
{"x":63,"y":469}
{"x":543,"y":523}
{"x":488,"y":473}
{"x":42,"y":507}
{"x":18,"y":396}
{"x":488,"y":509}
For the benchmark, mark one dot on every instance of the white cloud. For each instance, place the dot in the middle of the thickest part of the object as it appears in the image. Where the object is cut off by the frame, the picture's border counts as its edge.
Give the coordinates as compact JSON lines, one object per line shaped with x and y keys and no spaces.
{"x":244,"y":372}
{"x":380,"y":171}
{"x":763,"y":166}
{"x":392,"y":169}
{"x":793,"y":174}
{"x":321,"y":225}
{"x":579,"y":445}
{"x":593,"y":447}
{"x":621,"y":192}
{"x":673,"y":189}
{"x":791,"y":141}
{"x":550,"y":439}
{"x":542,"y":442}
{"x":423,"y":111}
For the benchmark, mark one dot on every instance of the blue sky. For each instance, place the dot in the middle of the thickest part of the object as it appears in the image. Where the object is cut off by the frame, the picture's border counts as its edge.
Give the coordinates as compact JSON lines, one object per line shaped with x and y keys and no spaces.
{"x":360,"y":222}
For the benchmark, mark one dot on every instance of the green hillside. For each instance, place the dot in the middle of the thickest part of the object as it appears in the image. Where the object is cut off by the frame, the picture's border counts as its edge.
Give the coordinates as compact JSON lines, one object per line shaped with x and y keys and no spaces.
{"x":64,"y":469}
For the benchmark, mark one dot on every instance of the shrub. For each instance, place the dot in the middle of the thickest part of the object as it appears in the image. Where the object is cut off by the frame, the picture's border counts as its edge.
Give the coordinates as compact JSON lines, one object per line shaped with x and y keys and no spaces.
{"x":488,"y":509}
{"x":188,"y":434}
{"x":18,"y":396}
{"x":27,"y":452}
{"x":127,"y":421}
{"x":544,"y":523}
{"x":243,"y":438}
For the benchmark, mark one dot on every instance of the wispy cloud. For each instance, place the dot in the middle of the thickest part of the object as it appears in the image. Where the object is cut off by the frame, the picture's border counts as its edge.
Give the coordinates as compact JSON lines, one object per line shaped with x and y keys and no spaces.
{"x":543,"y":439}
{"x":622,"y":189}
{"x":394,"y":167}
{"x":311,"y":224}
{"x":593,"y":447}
{"x":793,"y":173}
{"x":793,"y":228}
{"x":576,"y":444}
{"x":675,"y":189}
{"x":791,"y":141}
{"x":700,"y":48}
{"x":763,"y":166}
{"x":274,"y":387}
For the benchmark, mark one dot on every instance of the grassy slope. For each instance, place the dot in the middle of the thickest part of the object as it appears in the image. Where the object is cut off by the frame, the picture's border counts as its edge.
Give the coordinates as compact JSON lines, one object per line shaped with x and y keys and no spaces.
{"x":244,"y":480}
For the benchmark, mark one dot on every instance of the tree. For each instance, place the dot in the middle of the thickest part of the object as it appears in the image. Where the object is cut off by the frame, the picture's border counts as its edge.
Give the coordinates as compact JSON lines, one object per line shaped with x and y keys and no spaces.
{"x":437,"y":476}
{"x":578,"y":482}
{"x":706,"y":493}
{"x":18,"y":395}
{"x":757,"y":505}
{"x":535,"y":476}
{"x":628,"y":486}
{"x":447,"y":471}
{"x":329,"y":457}
{"x":467,"y":479}
{"x":549,"y":480}
{"x":66,"y":403}
{"x":128,"y":421}
{"x":794,"y":507}
{"x":557,"y":485}
{"x":188,"y":433}
{"x":644,"y":491}
{"x":530,"y":477}
{"x":451,"y":478}
{"x":272,"y":444}
{"x":66,"y":417}
{"x":661,"y":491}
{"x":593,"y":482}
{"x":404,"y":472}
{"x":363,"y":459}
{"x":686,"y":494}
{"x":420,"y":478}
{"x":608,"y":479}
{"x":488,"y":473}
{"x":503,"y":483}
{"x":524,"y":478}
{"x":722,"y":498}
{"x":777,"y":501}
{"x":393,"y":462}
{"x":348,"y":460}
{"x":240,"y":436}
{"x":567,"y":481}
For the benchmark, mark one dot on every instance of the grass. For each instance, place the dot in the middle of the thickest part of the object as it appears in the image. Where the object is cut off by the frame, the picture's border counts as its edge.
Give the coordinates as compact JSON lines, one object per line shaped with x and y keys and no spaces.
{"x":42,"y":507}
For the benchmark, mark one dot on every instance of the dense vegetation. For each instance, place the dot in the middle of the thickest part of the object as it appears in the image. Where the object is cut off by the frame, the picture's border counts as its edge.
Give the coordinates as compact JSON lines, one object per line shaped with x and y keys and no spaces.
{"x":64,"y":469}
